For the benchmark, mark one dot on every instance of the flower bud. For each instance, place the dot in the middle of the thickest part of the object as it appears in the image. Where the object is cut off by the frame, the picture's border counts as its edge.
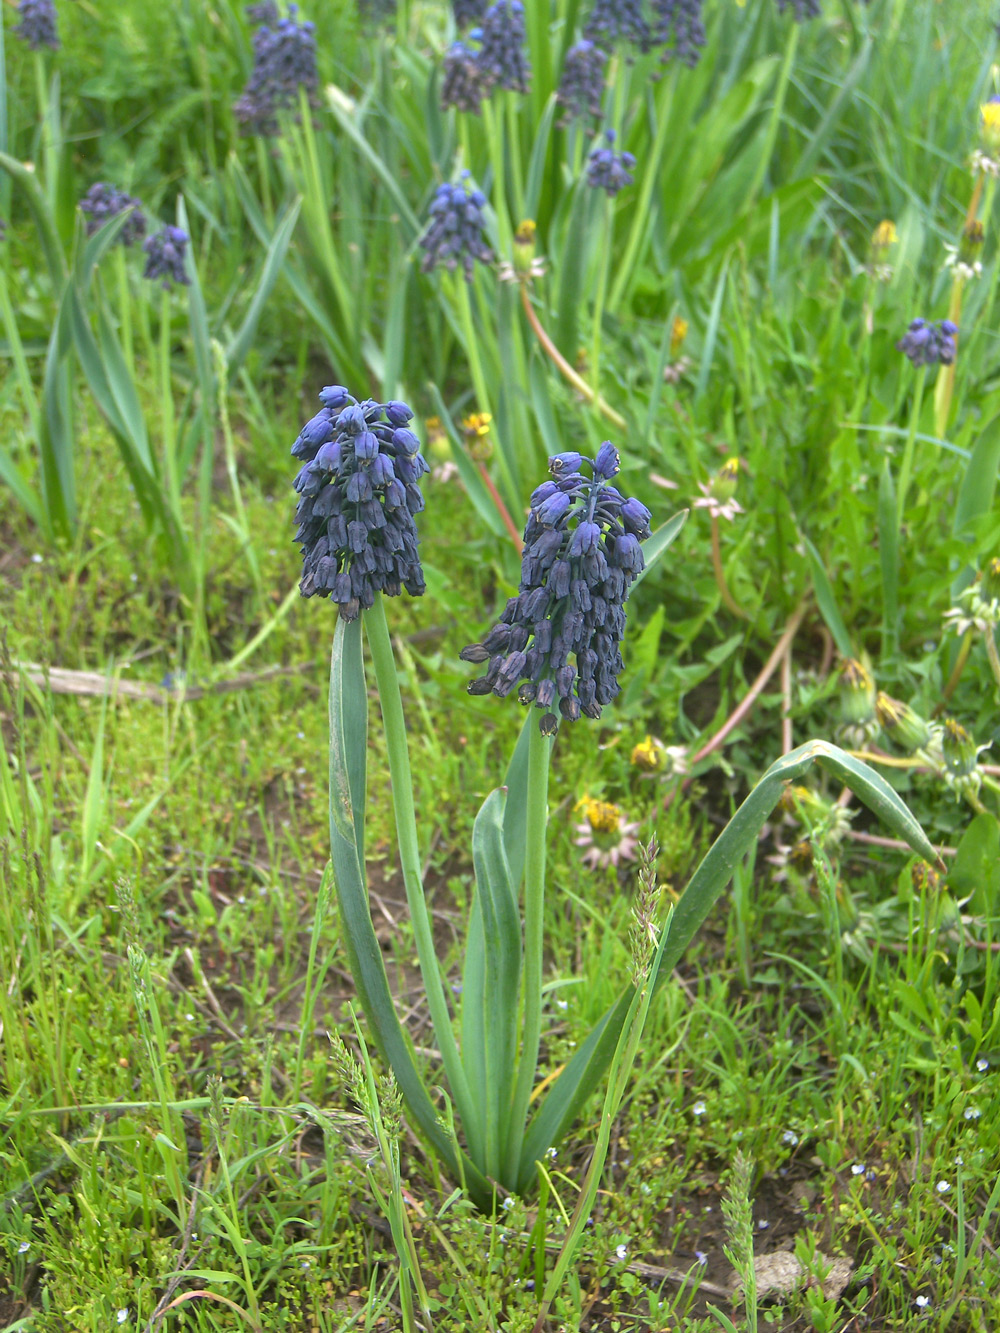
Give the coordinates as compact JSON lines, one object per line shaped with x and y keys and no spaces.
{"x":723,"y":485}
{"x":884,"y":235}
{"x":857,"y":693}
{"x":678,"y":332}
{"x":899,"y":721}
{"x":476,"y":428}
{"x":959,"y":750}
{"x":524,"y":246}
{"x":650,"y":755}
{"x":990,"y":129}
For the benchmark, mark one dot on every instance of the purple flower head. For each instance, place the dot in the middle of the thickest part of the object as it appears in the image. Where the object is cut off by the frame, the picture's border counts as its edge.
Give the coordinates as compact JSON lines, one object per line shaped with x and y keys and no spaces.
{"x":608,"y":170}
{"x":502,"y":55}
{"x":582,"y":84}
{"x":614,"y":21}
{"x":284,"y":61}
{"x":558,"y":642}
{"x":462,"y":83}
{"x":102,"y":202}
{"x":454,"y":232}
{"x":680,"y":30}
{"x":37,"y":24}
{"x":358,"y":492}
{"x":929,"y":344}
{"x":803,"y":9}
{"x":265,"y":11}
{"x":164,"y":252}
{"x":468,"y":12}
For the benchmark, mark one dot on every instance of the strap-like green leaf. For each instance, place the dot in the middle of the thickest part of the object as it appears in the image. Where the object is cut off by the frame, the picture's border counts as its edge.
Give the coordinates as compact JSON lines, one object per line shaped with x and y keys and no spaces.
{"x":348,"y":739}
{"x":657,"y":543}
{"x":584,"y":1072}
{"x":277,"y":249}
{"x":827,"y":602}
{"x":501,"y":933}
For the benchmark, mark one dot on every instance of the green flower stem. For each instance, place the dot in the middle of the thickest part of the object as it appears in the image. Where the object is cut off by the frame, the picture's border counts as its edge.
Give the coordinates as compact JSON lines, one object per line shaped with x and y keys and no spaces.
{"x":124,"y":309}
{"x":514,"y":145}
{"x":48,"y":135}
{"x":167,"y":412}
{"x":639,"y":234}
{"x":476,"y":370}
{"x":504,"y":232}
{"x":397,"y":749}
{"x":265,"y":180}
{"x":956,"y":672}
{"x":539,"y":751}
{"x":906,"y":467}
{"x":945,"y":386}
{"x":777,"y":109}
{"x":606,"y":237}
{"x":471,"y":345}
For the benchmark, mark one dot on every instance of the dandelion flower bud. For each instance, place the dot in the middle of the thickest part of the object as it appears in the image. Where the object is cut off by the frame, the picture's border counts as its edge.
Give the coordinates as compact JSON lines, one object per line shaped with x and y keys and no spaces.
{"x":899,"y":721}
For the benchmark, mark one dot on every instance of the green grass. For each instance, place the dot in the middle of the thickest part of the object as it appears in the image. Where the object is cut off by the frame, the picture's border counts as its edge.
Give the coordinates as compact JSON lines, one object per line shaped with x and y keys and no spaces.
{"x":173,"y":1118}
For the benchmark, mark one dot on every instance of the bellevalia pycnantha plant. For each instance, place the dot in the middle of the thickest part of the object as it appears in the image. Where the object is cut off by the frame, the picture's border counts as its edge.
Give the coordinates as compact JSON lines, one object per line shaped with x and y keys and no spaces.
{"x":558,"y":646}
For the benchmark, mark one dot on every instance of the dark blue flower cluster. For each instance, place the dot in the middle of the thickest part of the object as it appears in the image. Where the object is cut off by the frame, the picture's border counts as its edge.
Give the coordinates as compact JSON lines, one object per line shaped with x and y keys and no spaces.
{"x":613,"y":21}
{"x":164,"y":252}
{"x":358,"y":494}
{"x":608,"y":170}
{"x":679,"y":29}
{"x":559,"y":639}
{"x":102,"y":202}
{"x":468,"y":11}
{"x":582,"y":84}
{"x":929,"y":344}
{"x":502,"y":57}
{"x":38,"y":24}
{"x":284,"y":60}
{"x":461,"y":79}
{"x":804,"y":9}
{"x":454,"y":233}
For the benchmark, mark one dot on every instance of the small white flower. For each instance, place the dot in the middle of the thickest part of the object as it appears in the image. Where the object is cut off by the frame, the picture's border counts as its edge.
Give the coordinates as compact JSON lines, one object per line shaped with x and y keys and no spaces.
{"x":982,"y":162}
{"x":702,"y":1257}
{"x":943,"y":1187}
{"x":763,"y":1224}
{"x":790,"y":1136}
{"x":699,"y":1108}
{"x":972,"y":1113}
{"x":551,"y":1154}
{"x":858,"y":1169}
{"x":508,"y":1204}
{"x":922,"y":1302}
{"x":24,"y":1247}
{"x":37,"y":559}
{"x":982,"y":1064}
{"x":122,"y":1314}
{"x":189,"y":1017}
{"x":621,"y":1251}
